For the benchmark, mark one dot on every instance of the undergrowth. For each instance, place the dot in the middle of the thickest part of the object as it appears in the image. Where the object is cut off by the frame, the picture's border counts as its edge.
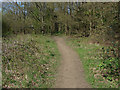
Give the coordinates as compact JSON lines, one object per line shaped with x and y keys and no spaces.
{"x":100,"y":62}
{"x":29,"y":61}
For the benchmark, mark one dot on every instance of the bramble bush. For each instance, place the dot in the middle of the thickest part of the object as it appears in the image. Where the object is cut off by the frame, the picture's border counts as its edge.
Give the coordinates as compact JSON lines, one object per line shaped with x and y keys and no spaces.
{"x":110,"y":62}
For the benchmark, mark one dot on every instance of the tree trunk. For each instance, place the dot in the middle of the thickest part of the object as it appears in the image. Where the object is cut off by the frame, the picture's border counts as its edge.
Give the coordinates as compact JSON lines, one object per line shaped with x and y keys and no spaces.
{"x":90,"y":28}
{"x":66,"y":29}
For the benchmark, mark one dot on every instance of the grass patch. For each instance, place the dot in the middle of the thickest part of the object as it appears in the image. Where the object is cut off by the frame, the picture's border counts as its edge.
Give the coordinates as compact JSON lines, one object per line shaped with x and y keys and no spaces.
{"x":90,"y":56}
{"x":29,"y":61}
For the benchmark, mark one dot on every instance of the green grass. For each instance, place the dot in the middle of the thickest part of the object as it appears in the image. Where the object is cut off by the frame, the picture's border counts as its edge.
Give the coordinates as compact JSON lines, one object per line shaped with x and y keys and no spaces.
{"x":90,"y":57}
{"x":29,"y":61}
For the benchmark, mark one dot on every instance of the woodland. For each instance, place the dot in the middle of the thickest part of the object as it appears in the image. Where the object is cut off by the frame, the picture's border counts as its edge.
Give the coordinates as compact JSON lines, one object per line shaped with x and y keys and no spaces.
{"x":27,"y":28}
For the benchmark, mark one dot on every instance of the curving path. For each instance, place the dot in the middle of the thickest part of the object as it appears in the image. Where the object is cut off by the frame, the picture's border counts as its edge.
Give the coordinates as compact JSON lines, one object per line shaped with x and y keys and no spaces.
{"x":70,"y":73}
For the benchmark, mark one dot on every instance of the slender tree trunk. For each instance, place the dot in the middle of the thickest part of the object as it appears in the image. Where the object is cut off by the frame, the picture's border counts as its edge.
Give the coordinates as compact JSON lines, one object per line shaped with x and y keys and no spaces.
{"x":90,"y":28}
{"x":65,"y":28}
{"x":59,"y":27}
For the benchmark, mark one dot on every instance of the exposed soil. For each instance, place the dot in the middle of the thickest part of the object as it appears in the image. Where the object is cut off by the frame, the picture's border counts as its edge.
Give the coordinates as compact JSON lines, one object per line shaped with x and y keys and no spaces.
{"x":70,"y":73}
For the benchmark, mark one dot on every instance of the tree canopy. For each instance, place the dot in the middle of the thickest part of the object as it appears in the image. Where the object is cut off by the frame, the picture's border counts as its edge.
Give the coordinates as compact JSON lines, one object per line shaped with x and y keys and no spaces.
{"x":81,"y":18}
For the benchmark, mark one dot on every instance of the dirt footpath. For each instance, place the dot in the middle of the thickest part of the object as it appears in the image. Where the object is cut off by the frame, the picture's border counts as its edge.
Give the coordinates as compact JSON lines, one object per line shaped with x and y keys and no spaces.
{"x":70,"y":72}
